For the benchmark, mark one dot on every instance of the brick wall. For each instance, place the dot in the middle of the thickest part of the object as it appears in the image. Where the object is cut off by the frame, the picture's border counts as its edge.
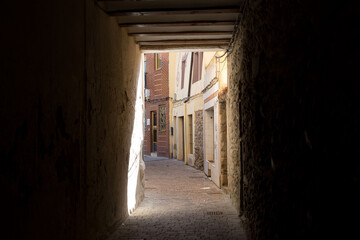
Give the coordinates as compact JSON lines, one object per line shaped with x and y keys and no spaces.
{"x":157,"y":80}
{"x":158,"y":83}
{"x":163,"y":146}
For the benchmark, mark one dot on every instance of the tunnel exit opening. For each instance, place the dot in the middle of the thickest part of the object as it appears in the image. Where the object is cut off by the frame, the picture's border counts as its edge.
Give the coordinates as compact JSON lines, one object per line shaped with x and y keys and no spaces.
{"x":183,"y":103}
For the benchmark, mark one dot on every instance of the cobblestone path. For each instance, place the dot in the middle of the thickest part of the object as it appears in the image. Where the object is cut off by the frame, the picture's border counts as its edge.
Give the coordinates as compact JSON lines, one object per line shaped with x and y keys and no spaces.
{"x":180,"y":203}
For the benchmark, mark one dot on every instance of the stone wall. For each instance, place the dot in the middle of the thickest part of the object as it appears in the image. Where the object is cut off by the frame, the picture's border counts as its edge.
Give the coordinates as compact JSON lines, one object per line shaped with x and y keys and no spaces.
{"x":223,"y":139}
{"x":67,"y":111}
{"x":293,"y":120}
{"x":199,"y":152}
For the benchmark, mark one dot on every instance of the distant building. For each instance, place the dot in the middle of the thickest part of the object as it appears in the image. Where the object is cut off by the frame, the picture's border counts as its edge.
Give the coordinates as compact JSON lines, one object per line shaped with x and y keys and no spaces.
{"x":188,"y":108}
{"x":157,"y":105}
{"x":199,"y":113}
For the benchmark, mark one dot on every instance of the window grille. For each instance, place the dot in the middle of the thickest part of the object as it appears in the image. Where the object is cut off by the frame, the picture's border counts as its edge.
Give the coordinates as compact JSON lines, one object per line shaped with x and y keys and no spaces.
{"x":158,"y":63}
{"x":162,"y":118}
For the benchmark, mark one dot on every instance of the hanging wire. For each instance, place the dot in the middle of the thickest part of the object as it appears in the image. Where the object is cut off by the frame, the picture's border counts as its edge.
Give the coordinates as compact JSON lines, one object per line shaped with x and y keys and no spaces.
{"x":235,"y":32}
{"x":99,"y":5}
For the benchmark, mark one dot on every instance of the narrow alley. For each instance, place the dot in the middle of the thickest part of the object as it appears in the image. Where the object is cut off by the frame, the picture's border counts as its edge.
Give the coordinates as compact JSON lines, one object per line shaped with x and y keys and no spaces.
{"x":180,"y":203}
{"x":254,"y":102}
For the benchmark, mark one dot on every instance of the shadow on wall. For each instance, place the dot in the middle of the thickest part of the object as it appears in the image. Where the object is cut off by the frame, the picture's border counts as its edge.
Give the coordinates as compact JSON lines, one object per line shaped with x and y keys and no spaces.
{"x":293,"y":93}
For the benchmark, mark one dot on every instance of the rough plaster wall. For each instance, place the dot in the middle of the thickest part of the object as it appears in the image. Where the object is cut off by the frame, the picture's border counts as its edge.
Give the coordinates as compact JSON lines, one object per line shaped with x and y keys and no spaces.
{"x":112,"y":68}
{"x":293,"y":77}
{"x":63,"y":99}
{"x":233,"y":131}
{"x":199,"y":152}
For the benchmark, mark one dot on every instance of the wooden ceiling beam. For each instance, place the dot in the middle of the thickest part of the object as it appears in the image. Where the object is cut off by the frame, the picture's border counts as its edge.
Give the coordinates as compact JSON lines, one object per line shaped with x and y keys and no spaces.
{"x":204,"y":47}
{"x":173,"y":11}
{"x":153,"y":34}
{"x":178,"y":24}
{"x":184,"y":42}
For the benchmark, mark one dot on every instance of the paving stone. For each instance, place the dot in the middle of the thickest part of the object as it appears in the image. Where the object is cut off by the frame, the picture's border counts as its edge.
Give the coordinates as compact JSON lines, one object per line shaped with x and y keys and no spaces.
{"x":180,"y":203}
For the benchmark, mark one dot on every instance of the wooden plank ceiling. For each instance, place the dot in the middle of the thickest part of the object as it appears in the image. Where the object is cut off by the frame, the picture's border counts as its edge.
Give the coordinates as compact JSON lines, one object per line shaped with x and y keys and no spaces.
{"x":176,"y":24}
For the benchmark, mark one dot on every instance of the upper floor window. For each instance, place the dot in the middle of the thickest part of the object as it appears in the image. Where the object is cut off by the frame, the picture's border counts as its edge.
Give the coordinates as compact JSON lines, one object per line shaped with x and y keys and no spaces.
{"x":197,"y":66}
{"x":157,"y":61}
{"x":183,"y":65}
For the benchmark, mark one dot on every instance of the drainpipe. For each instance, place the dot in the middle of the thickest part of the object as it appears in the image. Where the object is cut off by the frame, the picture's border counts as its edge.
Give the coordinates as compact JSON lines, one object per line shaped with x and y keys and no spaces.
{"x":191,"y":74}
{"x":185,"y":115}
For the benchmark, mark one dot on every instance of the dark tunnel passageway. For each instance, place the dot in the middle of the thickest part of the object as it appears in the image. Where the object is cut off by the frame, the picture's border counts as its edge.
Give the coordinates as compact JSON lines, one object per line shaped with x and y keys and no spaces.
{"x":69,"y":74}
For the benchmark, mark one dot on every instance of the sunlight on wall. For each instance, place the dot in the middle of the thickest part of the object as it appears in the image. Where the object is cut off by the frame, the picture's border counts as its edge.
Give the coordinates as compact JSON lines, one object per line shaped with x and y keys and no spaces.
{"x":221,"y":66}
{"x":136,"y":143}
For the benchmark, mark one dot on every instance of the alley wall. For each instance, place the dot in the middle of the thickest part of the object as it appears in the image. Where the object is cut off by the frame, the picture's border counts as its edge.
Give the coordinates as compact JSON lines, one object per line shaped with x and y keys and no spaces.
{"x":293,"y":120}
{"x":112,"y":68}
{"x":67,"y":111}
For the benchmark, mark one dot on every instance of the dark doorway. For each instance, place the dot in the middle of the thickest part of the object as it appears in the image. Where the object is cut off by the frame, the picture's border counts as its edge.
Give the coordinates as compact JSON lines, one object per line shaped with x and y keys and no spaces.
{"x":153,"y":133}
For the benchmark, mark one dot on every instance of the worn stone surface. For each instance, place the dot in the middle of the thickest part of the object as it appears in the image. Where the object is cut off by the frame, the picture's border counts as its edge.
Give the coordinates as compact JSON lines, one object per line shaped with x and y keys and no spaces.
{"x":292,"y":126}
{"x":233,"y":130}
{"x":199,"y":149}
{"x":180,"y":203}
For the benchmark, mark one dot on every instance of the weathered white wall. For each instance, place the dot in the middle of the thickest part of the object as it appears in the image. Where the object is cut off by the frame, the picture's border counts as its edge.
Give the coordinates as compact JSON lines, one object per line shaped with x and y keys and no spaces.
{"x":214,"y":71}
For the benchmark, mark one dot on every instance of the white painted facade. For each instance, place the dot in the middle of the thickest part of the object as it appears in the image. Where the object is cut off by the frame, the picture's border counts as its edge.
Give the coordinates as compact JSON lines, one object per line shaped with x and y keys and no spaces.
{"x":215,"y":76}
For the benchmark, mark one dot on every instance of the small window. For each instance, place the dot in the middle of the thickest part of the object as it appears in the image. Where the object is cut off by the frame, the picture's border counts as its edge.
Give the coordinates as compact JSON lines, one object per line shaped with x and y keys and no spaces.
{"x":183,"y":65}
{"x":162,"y":118}
{"x":157,"y":61}
{"x":197,"y":66}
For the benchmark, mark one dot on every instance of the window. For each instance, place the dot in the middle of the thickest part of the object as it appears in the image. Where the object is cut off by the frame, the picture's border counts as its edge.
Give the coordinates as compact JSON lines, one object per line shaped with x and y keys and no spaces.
{"x":145,"y":80}
{"x":183,"y":65}
{"x":191,"y":140}
{"x":162,"y":118}
{"x":197,"y":66}
{"x":157,"y":61}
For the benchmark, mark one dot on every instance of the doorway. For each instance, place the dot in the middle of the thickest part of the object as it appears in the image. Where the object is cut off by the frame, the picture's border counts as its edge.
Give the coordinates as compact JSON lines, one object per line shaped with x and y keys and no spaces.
{"x":209,"y":140}
{"x":153,"y":134}
{"x":174,"y":139}
{"x":181,"y":149}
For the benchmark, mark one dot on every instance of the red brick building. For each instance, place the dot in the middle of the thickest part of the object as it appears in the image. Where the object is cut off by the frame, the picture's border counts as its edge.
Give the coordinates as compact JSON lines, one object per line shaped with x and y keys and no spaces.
{"x":157,"y":108}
